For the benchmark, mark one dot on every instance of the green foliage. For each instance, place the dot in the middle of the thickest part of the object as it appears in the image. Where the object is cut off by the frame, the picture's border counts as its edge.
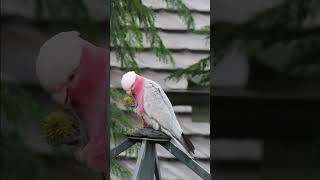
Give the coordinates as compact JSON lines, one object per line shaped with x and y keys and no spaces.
{"x":183,"y":12}
{"x":18,"y":162}
{"x":69,"y":14}
{"x":280,"y":25}
{"x":132,"y":23}
{"x":119,"y":127}
{"x":126,"y":37}
{"x":305,"y":58}
{"x":118,"y":170}
{"x":198,"y":72}
{"x":119,"y":121}
{"x":289,"y":13}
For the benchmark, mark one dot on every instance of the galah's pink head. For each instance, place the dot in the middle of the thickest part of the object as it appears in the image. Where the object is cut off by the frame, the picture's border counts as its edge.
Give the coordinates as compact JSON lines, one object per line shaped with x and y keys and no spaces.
{"x":133,"y":84}
{"x":74,"y":71}
{"x":58,"y":59}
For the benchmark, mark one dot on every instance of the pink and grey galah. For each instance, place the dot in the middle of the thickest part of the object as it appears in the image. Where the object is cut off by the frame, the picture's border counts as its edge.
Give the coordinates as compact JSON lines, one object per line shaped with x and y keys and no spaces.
{"x":154,"y":107}
{"x":74,"y":72}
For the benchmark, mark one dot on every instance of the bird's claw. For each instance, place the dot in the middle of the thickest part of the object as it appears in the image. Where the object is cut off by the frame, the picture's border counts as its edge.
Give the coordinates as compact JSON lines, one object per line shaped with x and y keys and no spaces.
{"x":134,"y":130}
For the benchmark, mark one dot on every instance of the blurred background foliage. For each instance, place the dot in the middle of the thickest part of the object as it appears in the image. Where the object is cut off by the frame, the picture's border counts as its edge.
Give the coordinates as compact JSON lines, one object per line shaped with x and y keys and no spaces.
{"x":285,"y":25}
{"x":18,"y":102}
{"x":18,"y":162}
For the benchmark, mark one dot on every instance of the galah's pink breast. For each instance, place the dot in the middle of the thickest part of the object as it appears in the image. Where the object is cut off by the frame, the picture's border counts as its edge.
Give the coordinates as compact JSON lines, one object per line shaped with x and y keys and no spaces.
{"x":138,"y":93}
{"x":88,"y":98}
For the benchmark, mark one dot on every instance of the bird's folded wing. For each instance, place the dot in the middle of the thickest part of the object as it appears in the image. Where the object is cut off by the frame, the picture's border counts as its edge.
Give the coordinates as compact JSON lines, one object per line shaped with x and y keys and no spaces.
{"x":157,"y":106}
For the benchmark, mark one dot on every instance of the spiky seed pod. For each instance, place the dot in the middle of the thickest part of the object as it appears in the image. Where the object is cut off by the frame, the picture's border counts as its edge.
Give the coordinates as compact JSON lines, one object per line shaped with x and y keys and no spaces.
{"x":58,"y":127}
{"x":128,"y":101}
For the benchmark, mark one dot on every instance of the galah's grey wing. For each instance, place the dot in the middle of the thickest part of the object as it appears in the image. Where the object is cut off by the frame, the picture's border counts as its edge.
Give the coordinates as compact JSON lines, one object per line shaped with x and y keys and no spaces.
{"x":158,"y":107}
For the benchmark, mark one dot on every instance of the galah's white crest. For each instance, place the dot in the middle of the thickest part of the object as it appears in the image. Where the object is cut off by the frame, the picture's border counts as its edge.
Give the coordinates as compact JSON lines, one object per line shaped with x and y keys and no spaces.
{"x":154,"y":107}
{"x":74,"y":72}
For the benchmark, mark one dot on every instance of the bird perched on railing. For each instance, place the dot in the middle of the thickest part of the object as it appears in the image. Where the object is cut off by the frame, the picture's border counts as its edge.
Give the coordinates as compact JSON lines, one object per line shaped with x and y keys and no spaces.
{"x":154,"y":107}
{"x":74,"y":72}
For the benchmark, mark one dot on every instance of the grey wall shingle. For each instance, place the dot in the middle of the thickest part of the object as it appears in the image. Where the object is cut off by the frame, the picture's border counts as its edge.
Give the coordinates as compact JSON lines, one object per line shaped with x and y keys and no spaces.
{"x":199,"y":5}
{"x":149,"y":60}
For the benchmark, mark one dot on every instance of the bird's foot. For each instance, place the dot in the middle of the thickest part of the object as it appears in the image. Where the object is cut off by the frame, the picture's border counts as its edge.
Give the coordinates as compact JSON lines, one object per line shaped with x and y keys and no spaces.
{"x":134,"y":130}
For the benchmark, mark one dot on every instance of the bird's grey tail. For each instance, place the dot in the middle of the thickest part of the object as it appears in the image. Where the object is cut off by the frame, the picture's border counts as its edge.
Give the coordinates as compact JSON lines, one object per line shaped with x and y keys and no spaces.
{"x":183,"y":143}
{"x":188,"y":144}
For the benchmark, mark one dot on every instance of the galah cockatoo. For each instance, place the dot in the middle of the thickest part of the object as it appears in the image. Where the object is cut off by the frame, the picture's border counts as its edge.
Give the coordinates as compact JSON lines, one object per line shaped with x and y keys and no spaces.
{"x":74,"y":72}
{"x":155,"y":108}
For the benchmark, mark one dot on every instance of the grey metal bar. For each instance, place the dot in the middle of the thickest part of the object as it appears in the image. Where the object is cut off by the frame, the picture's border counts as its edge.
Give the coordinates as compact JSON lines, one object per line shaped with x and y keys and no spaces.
{"x":157,"y":172}
{"x":122,"y":147}
{"x":192,"y":164}
{"x":145,"y":165}
{"x":148,"y":163}
{"x":141,"y":155}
